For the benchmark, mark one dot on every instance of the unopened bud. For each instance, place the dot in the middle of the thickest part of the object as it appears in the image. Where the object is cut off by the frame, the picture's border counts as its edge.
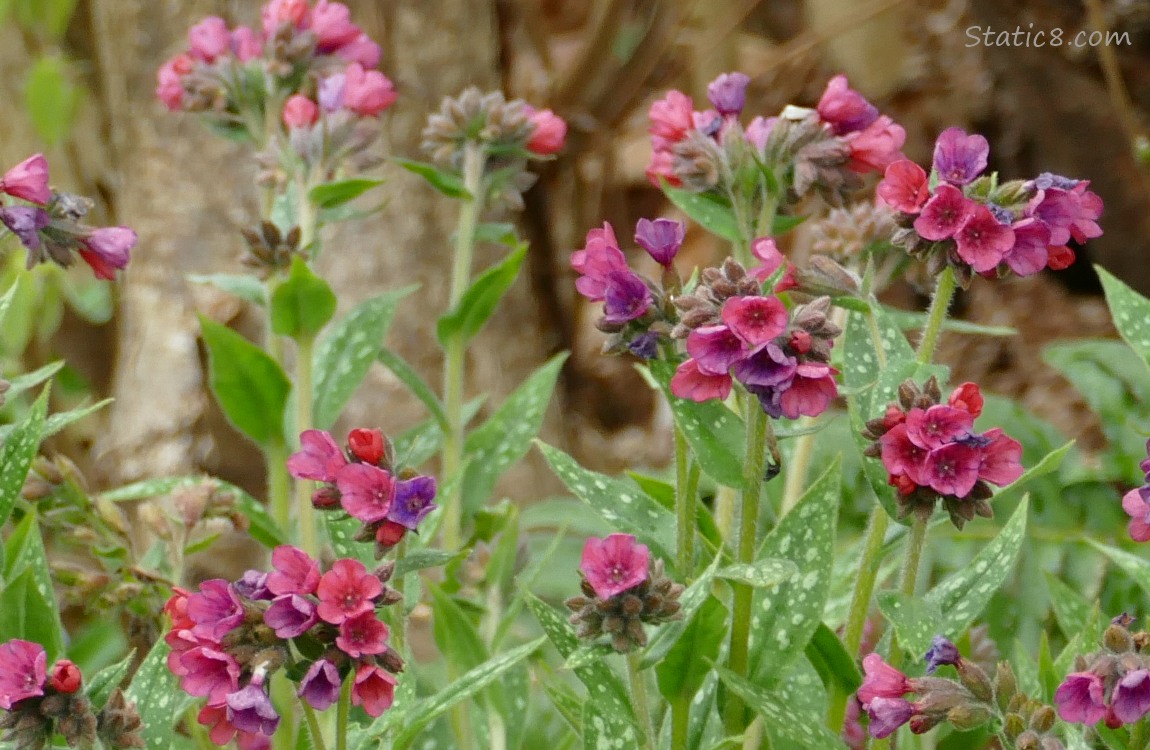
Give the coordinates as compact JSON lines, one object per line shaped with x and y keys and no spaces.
{"x":36,"y":488}
{"x":325,"y":498}
{"x":1013,"y":725}
{"x":1005,"y":684}
{"x":366,"y":445}
{"x":391,"y":661}
{"x":385,"y":571}
{"x":1118,"y":640}
{"x":1042,"y":720}
{"x":1027,"y":741}
{"x":968,"y":716}
{"x":1050,"y":742}
{"x":111,"y":514}
{"x":66,"y":677}
{"x":190,"y":503}
{"x":155,"y":520}
{"x":975,"y":680}
{"x":47,"y":469}
{"x":388,"y":597}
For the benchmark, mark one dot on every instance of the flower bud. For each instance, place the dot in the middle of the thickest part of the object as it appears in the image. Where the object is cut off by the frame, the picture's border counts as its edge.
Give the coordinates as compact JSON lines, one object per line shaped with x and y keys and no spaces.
{"x":1013,"y":725}
{"x":1118,"y":640}
{"x":1027,"y":741}
{"x":975,"y":680}
{"x":1005,"y":685}
{"x":366,"y":445}
{"x":66,"y":677}
{"x":968,"y":717}
{"x":1042,"y":720}
{"x":549,"y":134}
{"x":300,"y":112}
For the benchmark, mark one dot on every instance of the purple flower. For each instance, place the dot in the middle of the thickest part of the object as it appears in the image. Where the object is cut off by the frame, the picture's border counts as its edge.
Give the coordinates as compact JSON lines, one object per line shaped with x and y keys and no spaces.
{"x":715,"y":349}
{"x":944,"y":214}
{"x":645,"y":345}
{"x":320,"y":686}
{"x":982,"y":241}
{"x":728,"y":93}
{"x":769,"y":367}
{"x":1139,"y":511}
{"x":887,"y":715}
{"x":1029,"y":255}
{"x":209,"y":673}
{"x":844,"y":109}
{"x":318,"y":458}
{"x":290,"y":616}
{"x":366,"y":492}
{"x":661,"y":238}
{"x":960,"y":158}
{"x":249,"y":710}
{"x":614,"y":564}
{"x":414,"y":499}
{"x":25,"y":222}
{"x":755,"y":320}
{"x":952,"y":469}
{"x":598,"y":258}
{"x":626,"y":298}
{"x":1047,"y":180}
{"x":253,"y":585}
{"x":294,"y":572}
{"x":1131,"y":699}
{"x":216,"y":609}
{"x":362,"y":634}
{"x":1079,"y":699}
{"x":23,"y":669}
{"x":941,"y":652}
{"x":932,"y":428}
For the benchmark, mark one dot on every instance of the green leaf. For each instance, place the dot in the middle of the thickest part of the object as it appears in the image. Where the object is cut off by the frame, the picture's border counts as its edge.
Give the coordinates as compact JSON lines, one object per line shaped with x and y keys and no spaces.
{"x":602,"y":732}
{"x":418,"y":387}
{"x":7,"y":297}
{"x":619,"y":502}
{"x":28,"y":603}
{"x":787,"y":614}
{"x":501,"y":233}
{"x":682,"y":672}
{"x":345,"y":353}
{"x":791,"y":726}
{"x":447,"y":183}
{"x":907,"y":321}
{"x":334,"y":194}
{"x":667,"y":635}
{"x":506,"y":436}
{"x":1071,"y":608}
{"x":1138,"y":568}
{"x":58,"y":421}
{"x":158,"y":697}
{"x":247,"y":288}
{"x":760,"y":573}
{"x":455,"y":635}
{"x":711,"y":211}
{"x":783,"y":224}
{"x":302,"y":304}
{"x":21,"y":383}
{"x":51,"y":98}
{"x":588,"y":654}
{"x":250,"y":386}
{"x":834,"y":664}
{"x":714,"y":432}
{"x":17,"y":453}
{"x":1130,"y":311}
{"x":420,"y":559}
{"x":569,"y":705}
{"x":100,"y":685}
{"x":915,"y":620}
{"x":480,"y":300}
{"x":664,"y":494}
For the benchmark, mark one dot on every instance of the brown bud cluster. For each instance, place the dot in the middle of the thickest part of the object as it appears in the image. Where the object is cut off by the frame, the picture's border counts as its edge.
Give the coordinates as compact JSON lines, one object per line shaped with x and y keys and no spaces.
{"x":268,"y":249}
{"x":702,"y":307}
{"x":488,"y":120}
{"x":848,"y":232}
{"x":32,"y":722}
{"x":622,"y":617}
{"x":819,"y":157}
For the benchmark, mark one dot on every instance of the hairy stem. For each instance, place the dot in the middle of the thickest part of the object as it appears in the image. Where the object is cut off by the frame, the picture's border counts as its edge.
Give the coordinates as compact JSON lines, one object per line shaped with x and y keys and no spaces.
{"x":639,"y":701}
{"x":684,"y":507}
{"x":341,"y":712}
{"x":279,"y":485}
{"x":936,"y":316}
{"x":304,"y":420}
{"x":313,"y":726}
{"x":680,"y":721}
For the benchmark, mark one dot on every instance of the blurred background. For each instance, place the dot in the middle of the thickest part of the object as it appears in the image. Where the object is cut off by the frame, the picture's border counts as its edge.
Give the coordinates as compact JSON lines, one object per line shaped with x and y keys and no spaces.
{"x":79,"y":76}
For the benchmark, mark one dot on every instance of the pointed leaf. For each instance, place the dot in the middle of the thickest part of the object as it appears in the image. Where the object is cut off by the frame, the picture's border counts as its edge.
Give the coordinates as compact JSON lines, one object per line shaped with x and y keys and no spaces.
{"x":100,"y":685}
{"x":792,"y":727}
{"x":447,"y":183}
{"x":302,"y":304}
{"x":480,"y":300}
{"x":711,"y":211}
{"x":832,"y":661}
{"x":601,"y":732}
{"x":158,"y":697}
{"x":21,"y":383}
{"x":247,"y":288}
{"x":17,"y":452}
{"x":1130,"y":311}
{"x":761,"y":573}
{"x":249,"y":385}
{"x":418,"y":387}
{"x":915,"y":620}
{"x":7,"y":297}
{"x":334,"y":194}
{"x":682,"y":672}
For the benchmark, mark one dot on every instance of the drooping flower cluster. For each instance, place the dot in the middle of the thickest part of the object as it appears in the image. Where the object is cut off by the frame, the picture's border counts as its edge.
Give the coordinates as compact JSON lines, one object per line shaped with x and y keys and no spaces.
{"x":623,"y":590}
{"x":49,"y":225}
{"x":39,"y":703}
{"x":735,"y":332}
{"x":363,"y":481}
{"x":1111,"y":685}
{"x":823,"y":149}
{"x":1136,"y":503}
{"x":931,"y":451}
{"x":637,"y":312}
{"x":227,"y":638}
{"x":957,"y":216}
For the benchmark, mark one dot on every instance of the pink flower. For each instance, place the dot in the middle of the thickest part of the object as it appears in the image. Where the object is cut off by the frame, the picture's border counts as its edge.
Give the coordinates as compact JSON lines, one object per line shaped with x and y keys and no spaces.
{"x":672,"y":117}
{"x":876,"y":147}
{"x":1061,"y":257}
{"x":290,"y":615}
{"x":361,"y":50}
{"x":216,"y":609}
{"x":715,"y":349}
{"x":291,"y":12}
{"x":170,"y":80}
{"x":1079,"y":699}
{"x":108,"y":250}
{"x":374,"y":689}
{"x":758,"y":130}
{"x":960,"y":158}
{"x":690,"y":382}
{"x":767,"y":252}
{"x":320,"y":686}
{"x":1001,"y":458}
{"x":209,"y":673}
{"x":968,"y":398}
{"x":811,"y":391}
{"x":318,"y":458}
{"x":294,"y":572}
{"x":221,"y":731}
{"x":728,"y":93}
{"x":209,"y":39}
{"x":599,"y":257}
{"x":28,"y":180}
{"x":1131,"y":699}
{"x":331,"y":23}
{"x":933,"y":427}
{"x":614,"y":564}
{"x":901,"y":456}
{"x":755,"y":320}
{"x":944,"y":214}
{"x":300,"y":112}
{"x":367,"y":92}
{"x":887,"y":715}
{"x":549,"y":133}
{"x":23,"y":669}
{"x":347,"y":590}
{"x":982,"y":240}
{"x":1139,"y":512}
{"x":904,"y":187}
{"x":1029,"y":255}
{"x":952,"y":469}
{"x":366,"y":491}
{"x":844,"y":109}
{"x":880,"y":680}
{"x":246,"y":44}
{"x":662,"y":169}
{"x":177,"y":609}
{"x":362,"y":634}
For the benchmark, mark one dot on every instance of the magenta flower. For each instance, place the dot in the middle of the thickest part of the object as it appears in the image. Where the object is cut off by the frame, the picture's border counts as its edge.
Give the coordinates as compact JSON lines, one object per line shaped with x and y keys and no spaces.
{"x":290,"y":615}
{"x":1131,"y":699}
{"x":614,"y":564}
{"x":367,"y":92}
{"x":960,"y":158}
{"x":209,"y":39}
{"x":347,"y":590}
{"x":294,"y":572}
{"x":549,"y":134}
{"x":210,"y":673}
{"x":1079,"y":699}
{"x":362,"y":634}
{"x":967,"y":397}
{"x":249,"y":710}
{"x":692,"y":383}
{"x":1001,"y":458}
{"x":944,"y":214}
{"x":373,"y":688}
{"x":715,"y":349}
{"x":768,"y":368}
{"x":216,"y":609}
{"x":220,"y":730}
{"x":983,"y":241}
{"x":728,"y":93}
{"x":758,"y":130}
{"x":318,"y":458}
{"x":661,"y":238}
{"x":755,"y":320}
{"x":25,"y":222}
{"x":1139,"y":511}
{"x":300,"y":112}
{"x":904,"y":187}
{"x":901,"y":456}
{"x":933,"y":427}
{"x":320,"y":686}
{"x":671,"y":119}
{"x":293,"y":13}
{"x":23,"y":669}
{"x":253,"y":584}
{"x":952,"y":469}
{"x":627,"y":298}
{"x":332,"y":25}
{"x":844,"y":109}
{"x":366,"y":492}
{"x":28,"y":180}
{"x":246,"y":44}
{"x":170,"y":80}
{"x":1029,"y":255}
{"x":887,"y":715}
{"x":599,"y":257}
{"x":414,"y":499}
{"x":876,"y":147}
{"x":107,"y":250}
{"x":810,"y":393}
{"x":362,"y":51}
{"x":880,"y":680}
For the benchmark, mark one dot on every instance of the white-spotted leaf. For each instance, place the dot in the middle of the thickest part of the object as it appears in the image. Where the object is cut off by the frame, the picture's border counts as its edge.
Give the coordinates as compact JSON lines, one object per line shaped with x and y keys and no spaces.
{"x":761,"y":573}
{"x":915,"y":620}
{"x":793,"y":727}
{"x":158,"y":697}
{"x":17,"y":452}
{"x":1130,"y":311}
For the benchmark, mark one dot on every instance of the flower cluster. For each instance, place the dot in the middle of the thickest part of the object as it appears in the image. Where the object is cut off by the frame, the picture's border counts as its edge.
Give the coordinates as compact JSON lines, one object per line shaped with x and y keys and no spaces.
{"x":735,"y":332}
{"x":622,"y":591}
{"x":39,"y":702}
{"x":637,"y":312}
{"x":957,"y":216}
{"x":931,"y":451}
{"x":228,"y":637}
{"x":49,"y":223}
{"x":823,"y":149}
{"x":363,"y":482}
{"x":1111,"y":685}
{"x":1136,"y":503}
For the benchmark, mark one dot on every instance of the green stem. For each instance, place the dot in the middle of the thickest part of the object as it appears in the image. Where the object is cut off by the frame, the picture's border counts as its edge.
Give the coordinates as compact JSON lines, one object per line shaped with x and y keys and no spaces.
{"x":304,"y":420}
{"x":279,"y":486}
{"x":313,"y":726}
{"x":943,"y":294}
{"x":684,"y":507}
{"x":639,"y":700}
{"x":399,"y":583}
{"x":455,"y":350}
{"x":341,"y":713}
{"x":913,"y":559}
{"x":738,"y":661}
{"x":680,"y":721}
{"x":1139,"y":736}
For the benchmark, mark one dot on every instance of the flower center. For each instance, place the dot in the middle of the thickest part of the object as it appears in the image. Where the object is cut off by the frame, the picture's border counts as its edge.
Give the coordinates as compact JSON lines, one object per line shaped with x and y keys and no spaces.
{"x":617,"y":573}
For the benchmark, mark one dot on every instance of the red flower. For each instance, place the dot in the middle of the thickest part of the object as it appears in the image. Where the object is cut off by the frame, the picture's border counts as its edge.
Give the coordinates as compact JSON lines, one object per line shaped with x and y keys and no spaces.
{"x":374,"y":689}
{"x":347,"y":590}
{"x":366,"y":445}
